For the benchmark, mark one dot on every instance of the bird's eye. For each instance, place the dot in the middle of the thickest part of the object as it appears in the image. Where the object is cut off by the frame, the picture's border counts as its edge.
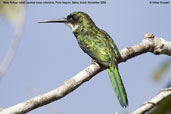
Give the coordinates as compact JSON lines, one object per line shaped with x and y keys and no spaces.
{"x":73,"y":18}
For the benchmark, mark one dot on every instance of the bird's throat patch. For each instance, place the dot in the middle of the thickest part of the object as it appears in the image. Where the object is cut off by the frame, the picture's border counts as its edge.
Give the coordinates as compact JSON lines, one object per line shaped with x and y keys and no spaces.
{"x":72,"y":26}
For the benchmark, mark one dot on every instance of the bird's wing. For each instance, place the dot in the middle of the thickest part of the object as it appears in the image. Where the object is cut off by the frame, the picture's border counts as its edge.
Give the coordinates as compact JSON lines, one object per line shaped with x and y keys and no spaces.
{"x":96,"y":46}
{"x":113,"y":45}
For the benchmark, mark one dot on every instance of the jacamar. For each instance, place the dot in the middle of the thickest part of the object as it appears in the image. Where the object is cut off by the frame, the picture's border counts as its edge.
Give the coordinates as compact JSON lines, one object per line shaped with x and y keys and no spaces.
{"x":98,"y":45}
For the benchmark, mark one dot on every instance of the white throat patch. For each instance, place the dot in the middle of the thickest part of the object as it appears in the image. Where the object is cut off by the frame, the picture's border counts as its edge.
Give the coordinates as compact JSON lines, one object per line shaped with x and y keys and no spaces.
{"x":73,"y":27}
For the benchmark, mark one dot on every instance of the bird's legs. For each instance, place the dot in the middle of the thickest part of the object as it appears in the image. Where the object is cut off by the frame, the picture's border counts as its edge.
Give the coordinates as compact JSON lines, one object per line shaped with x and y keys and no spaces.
{"x":93,"y":61}
{"x":103,"y":64}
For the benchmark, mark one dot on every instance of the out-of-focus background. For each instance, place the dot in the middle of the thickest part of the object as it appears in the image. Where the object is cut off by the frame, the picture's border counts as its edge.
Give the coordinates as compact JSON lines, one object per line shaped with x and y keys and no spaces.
{"x":48,"y":54}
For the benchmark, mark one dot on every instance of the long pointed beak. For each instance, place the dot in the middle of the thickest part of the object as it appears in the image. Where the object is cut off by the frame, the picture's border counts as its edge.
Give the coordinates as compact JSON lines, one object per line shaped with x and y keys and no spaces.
{"x":62,"y":20}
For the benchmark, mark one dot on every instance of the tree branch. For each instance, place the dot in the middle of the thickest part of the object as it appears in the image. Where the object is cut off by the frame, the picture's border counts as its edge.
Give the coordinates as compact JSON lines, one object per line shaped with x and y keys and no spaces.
{"x":149,"y":44}
{"x":153,"y":102}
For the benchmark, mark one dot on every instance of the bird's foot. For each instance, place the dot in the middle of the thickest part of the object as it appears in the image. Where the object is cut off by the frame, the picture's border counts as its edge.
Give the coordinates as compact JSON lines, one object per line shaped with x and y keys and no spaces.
{"x":93,"y":61}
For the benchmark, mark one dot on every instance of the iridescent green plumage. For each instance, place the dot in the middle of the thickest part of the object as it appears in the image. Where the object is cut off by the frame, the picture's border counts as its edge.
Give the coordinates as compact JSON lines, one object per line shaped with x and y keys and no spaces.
{"x":99,"y":46}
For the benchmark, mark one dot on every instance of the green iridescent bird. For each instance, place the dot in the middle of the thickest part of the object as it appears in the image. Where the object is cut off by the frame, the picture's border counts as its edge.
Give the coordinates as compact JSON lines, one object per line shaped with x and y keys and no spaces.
{"x":98,"y":45}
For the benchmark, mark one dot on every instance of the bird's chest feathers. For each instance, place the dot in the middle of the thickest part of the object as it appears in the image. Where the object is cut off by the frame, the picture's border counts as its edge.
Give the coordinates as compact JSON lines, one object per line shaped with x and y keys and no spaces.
{"x":85,"y":44}
{"x":86,"y":41}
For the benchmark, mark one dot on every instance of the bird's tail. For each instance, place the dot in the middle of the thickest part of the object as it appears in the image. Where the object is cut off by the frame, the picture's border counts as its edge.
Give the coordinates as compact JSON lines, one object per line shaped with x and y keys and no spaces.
{"x":118,"y":85}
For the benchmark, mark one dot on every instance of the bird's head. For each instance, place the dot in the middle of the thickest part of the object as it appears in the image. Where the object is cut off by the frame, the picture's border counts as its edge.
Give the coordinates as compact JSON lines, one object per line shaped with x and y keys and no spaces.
{"x":74,"y":20}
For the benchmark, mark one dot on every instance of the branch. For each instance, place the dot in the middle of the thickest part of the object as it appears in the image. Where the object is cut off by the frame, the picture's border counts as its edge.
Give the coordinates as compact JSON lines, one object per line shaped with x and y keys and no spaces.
{"x":153,"y":102}
{"x":56,"y":94}
{"x":149,"y":44}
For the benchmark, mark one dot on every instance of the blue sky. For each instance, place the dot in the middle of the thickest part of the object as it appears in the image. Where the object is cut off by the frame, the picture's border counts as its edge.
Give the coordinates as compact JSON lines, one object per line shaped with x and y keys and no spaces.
{"x":48,"y":54}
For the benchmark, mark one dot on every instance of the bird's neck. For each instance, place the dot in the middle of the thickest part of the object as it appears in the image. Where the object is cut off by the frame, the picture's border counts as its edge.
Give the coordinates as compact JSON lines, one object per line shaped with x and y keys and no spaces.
{"x":85,"y":30}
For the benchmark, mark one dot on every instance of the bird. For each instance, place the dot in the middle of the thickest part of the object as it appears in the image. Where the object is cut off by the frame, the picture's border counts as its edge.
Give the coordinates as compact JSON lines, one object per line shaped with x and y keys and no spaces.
{"x":98,"y":45}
